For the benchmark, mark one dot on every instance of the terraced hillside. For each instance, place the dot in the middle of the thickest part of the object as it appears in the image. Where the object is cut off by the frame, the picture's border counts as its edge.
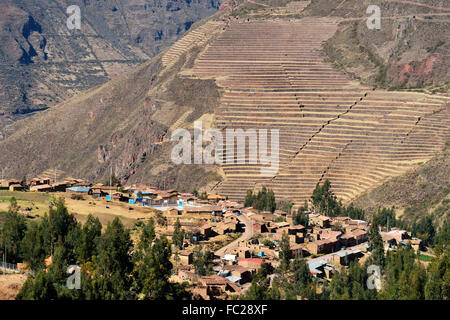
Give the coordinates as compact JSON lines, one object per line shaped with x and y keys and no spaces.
{"x":239,"y":72}
{"x":274,"y":77}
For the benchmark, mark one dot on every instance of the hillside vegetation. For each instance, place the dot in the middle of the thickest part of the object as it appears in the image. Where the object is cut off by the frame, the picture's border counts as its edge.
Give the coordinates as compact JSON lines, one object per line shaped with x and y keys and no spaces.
{"x":421,"y":191}
{"x":43,"y":63}
{"x":408,"y":52}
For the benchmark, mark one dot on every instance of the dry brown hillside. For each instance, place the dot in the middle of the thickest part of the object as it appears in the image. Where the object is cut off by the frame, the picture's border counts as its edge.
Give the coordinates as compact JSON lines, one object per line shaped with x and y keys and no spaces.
{"x":43,"y":63}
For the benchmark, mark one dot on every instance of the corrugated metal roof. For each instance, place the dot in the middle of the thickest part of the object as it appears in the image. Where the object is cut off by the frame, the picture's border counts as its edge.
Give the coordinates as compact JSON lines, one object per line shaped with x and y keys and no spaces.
{"x":79,"y":189}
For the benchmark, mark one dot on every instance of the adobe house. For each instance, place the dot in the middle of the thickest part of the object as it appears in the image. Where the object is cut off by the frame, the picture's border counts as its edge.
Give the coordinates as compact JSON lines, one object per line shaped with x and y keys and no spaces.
{"x":260,"y":227}
{"x":319,"y":220}
{"x":16,"y":187}
{"x":39,"y":181}
{"x":242,"y":252}
{"x":240,"y":272}
{"x":173,"y":211}
{"x":323,"y":246}
{"x":119,"y":196}
{"x":185,"y":257}
{"x":344,"y":257}
{"x":348,"y":240}
{"x":6,"y":184}
{"x":253,"y":264}
{"x":206,"y":230}
{"x":41,"y":188}
{"x":296,"y":229}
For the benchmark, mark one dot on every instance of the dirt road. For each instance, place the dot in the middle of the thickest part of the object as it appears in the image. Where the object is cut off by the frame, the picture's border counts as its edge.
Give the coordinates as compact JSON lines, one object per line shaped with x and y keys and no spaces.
{"x":248,"y":233}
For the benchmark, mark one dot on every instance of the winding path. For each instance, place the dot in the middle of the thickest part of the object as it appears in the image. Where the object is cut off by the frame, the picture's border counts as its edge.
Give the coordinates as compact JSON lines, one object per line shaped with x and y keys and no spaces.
{"x":248,"y":233}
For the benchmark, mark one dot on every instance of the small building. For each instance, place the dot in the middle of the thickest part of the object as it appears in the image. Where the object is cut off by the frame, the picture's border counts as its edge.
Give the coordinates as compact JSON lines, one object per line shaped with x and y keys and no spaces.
{"x":16,"y":187}
{"x":344,"y":257}
{"x":78,"y":189}
{"x":185,"y":257}
{"x":41,"y":188}
{"x":319,"y":220}
{"x":206,"y":230}
{"x":323,"y":246}
{"x":252,"y":263}
{"x":241,"y":273}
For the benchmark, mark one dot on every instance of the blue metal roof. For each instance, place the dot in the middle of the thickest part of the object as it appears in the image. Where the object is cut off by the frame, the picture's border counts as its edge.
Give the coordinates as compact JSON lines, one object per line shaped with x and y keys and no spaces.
{"x":79,"y":189}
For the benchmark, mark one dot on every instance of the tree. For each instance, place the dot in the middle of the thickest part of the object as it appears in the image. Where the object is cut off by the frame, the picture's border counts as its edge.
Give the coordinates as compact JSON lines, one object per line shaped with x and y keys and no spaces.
{"x":32,"y":246}
{"x":14,"y":229}
{"x":302,"y":216}
{"x":23,"y":183}
{"x":90,"y":234}
{"x":114,"y":261}
{"x":114,"y":249}
{"x":424,"y":229}
{"x":202,"y":261}
{"x":325,"y":201}
{"x":264,"y":200}
{"x":260,"y":287}
{"x":40,"y":288}
{"x":153,"y":275}
{"x":57,"y":269}
{"x":443,"y":236}
{"x":178,"y":235}
{"x":376,"y":245}
{"x":285,"y":253}
{"x":59,"y":224}
{"x":303,"y":280}
{"x":249,"y":199}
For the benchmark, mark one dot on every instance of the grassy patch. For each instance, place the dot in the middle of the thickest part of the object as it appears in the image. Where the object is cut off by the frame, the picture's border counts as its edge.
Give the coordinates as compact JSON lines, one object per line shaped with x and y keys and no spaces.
{"x":424,"y":257}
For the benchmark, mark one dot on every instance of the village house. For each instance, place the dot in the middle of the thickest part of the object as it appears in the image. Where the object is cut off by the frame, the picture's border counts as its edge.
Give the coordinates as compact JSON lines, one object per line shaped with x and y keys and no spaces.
{"x":214,"y":198}
{"x":319,"y":220}
{"x":298,"y":251}
{"x":323,"y":246}
{"x":16,"y":187}
{"x":260,"y":227}
{"x":79,"y":190}
{"x":6,"y":184}
{"x":252,"y":264}
{"x":201,"y":210}
{"x":59,"y":187}
{"x":41,"y":188}
{"x":207,"y":230}
{"x":119,"y":196}
{"x":38,"y":182}
{"x":330,"y":235}
{"x":185,"y":257}
{"x":242,"y":252}
{"x":218,"y":286}
{"x":344,"y":257}
{"x":241,"y":274}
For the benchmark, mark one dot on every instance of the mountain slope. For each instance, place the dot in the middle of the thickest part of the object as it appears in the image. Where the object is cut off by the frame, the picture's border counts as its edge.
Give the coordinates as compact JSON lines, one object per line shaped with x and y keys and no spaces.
{"x":422,"y":190}
{"x":43,"y":63}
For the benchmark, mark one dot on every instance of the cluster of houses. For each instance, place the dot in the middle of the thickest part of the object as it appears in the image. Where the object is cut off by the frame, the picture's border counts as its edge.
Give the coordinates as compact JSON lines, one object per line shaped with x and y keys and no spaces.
{"x":328,"y":243}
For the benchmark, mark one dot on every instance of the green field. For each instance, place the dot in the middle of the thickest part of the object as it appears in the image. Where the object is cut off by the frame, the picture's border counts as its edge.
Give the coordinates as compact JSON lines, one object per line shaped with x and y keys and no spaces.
{"x":424,"y":257}
{"x":30,"y":196}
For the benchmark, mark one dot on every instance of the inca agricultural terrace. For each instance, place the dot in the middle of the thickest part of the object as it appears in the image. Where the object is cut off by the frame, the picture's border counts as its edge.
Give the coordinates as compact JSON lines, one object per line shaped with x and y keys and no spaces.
{"x":274,"y":76}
